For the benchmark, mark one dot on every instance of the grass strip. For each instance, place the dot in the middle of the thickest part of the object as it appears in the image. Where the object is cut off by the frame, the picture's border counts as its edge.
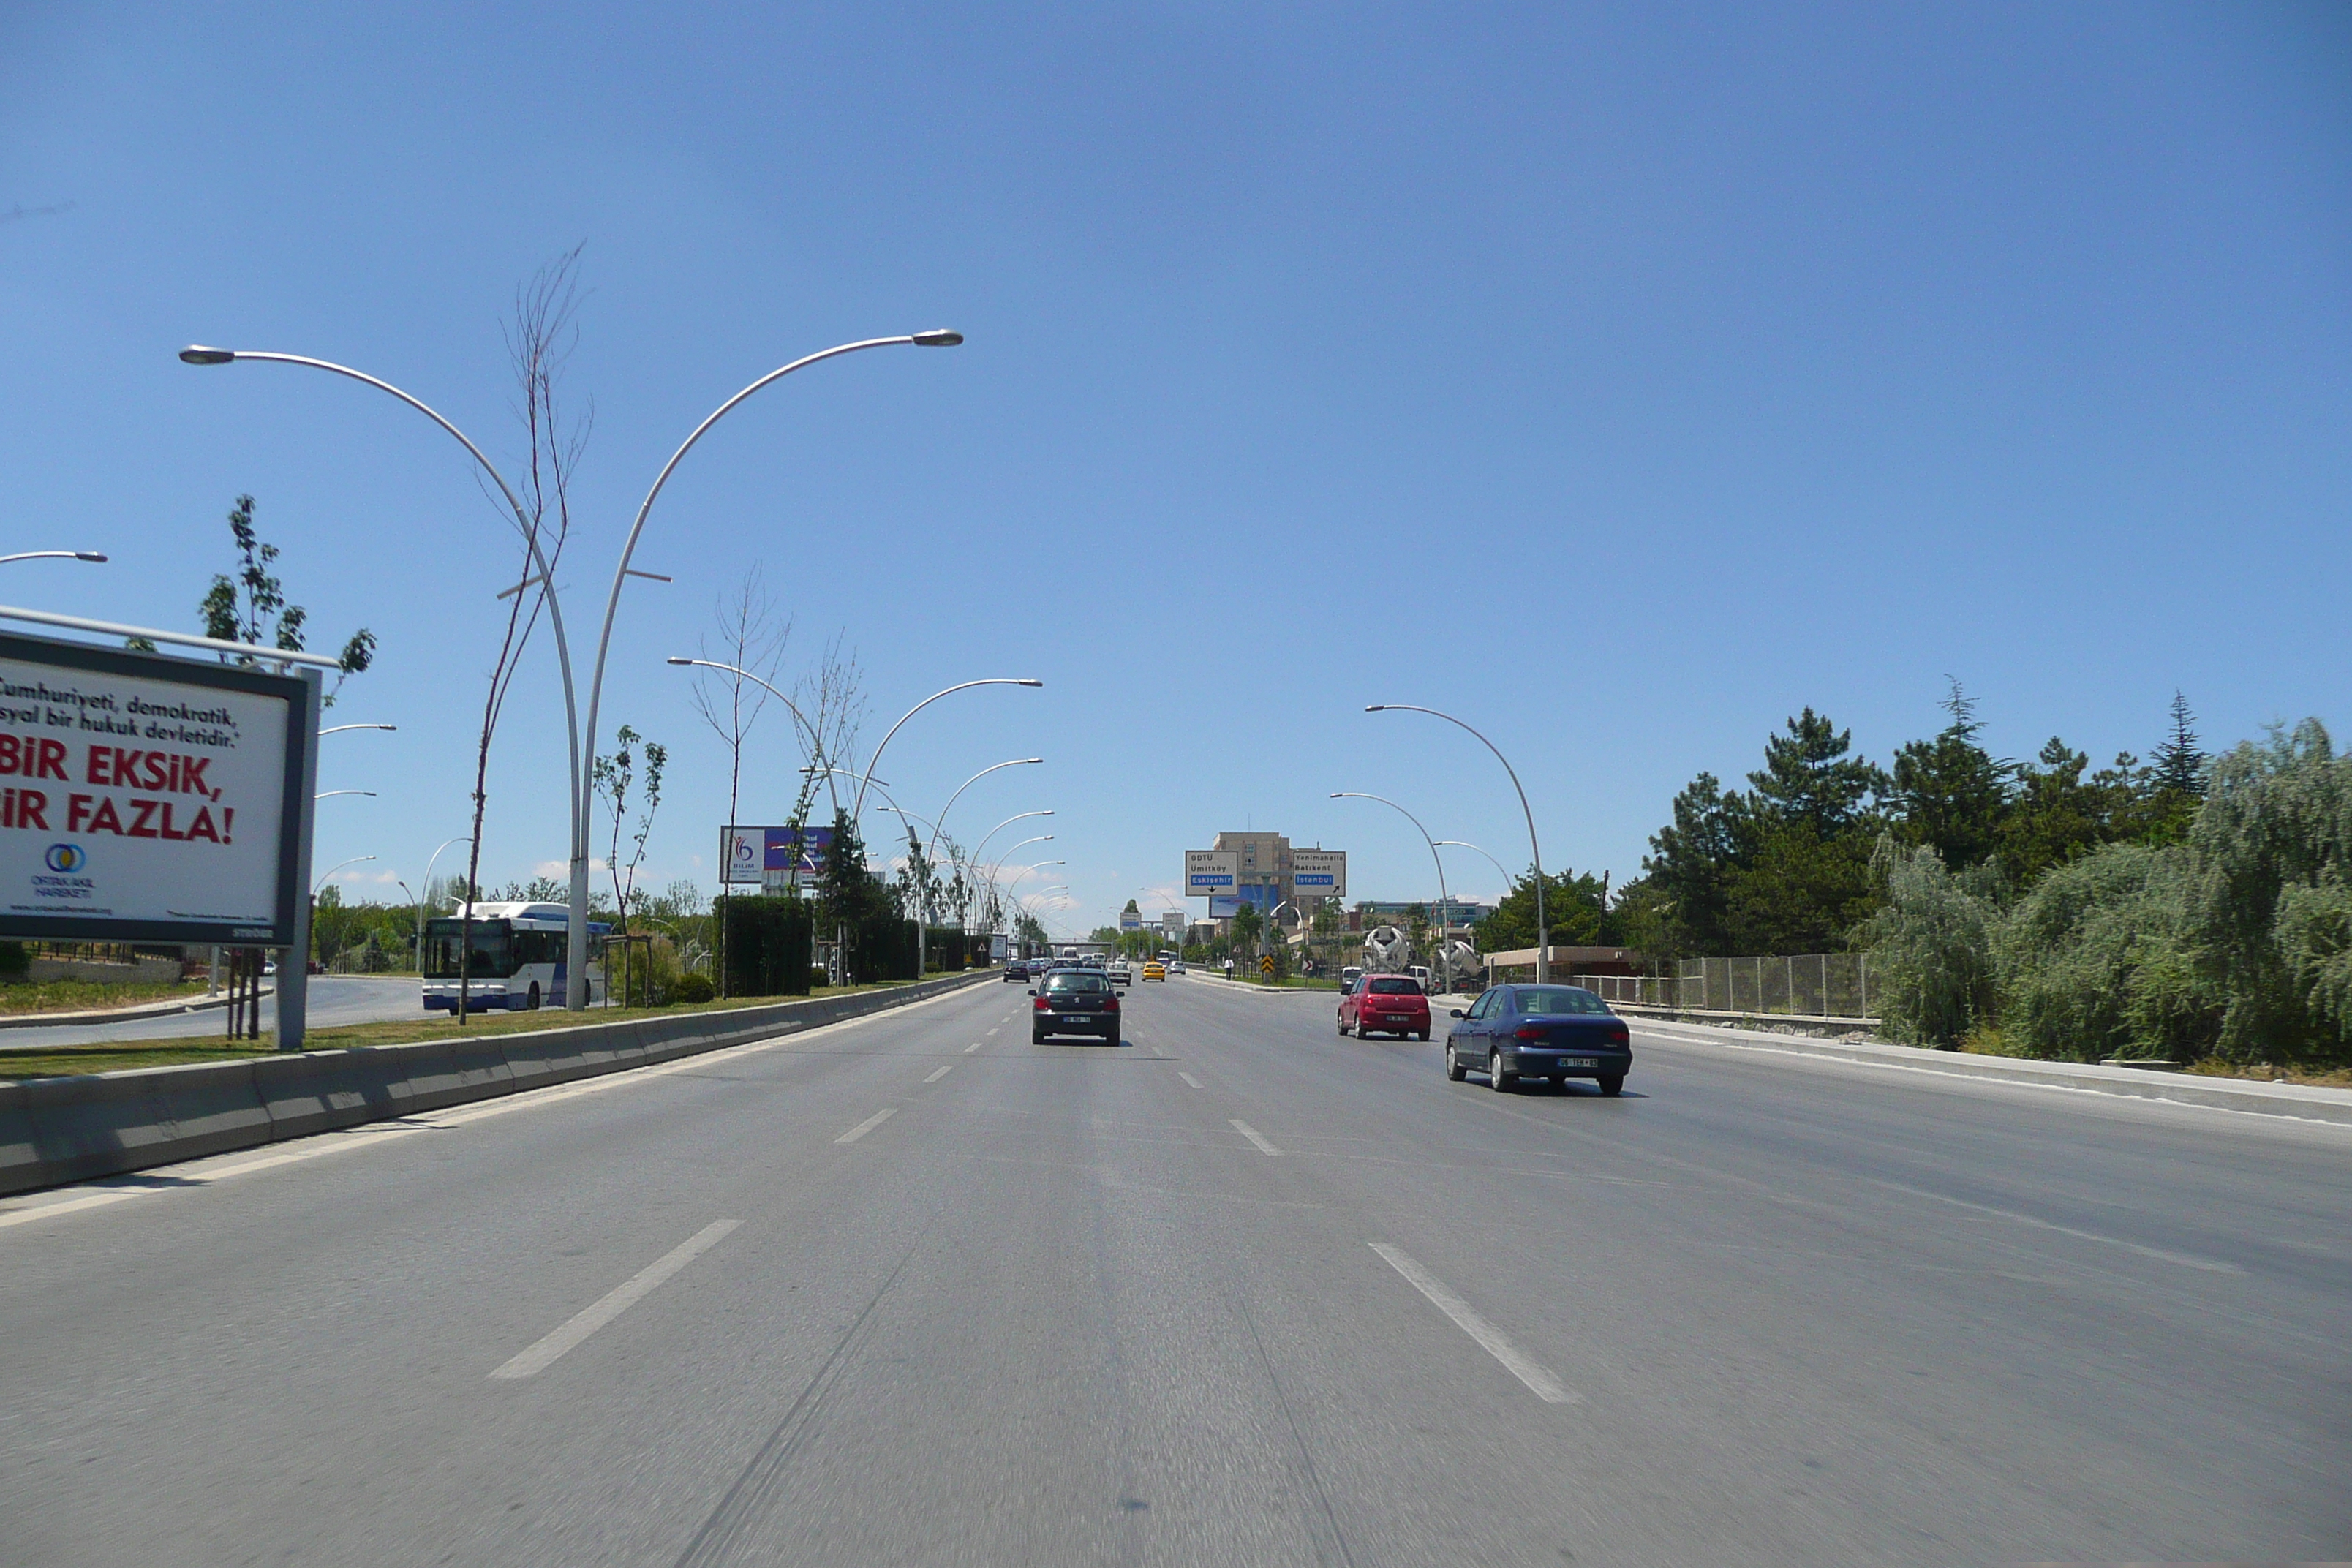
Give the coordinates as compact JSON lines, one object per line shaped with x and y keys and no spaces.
{"x":91,"y":995}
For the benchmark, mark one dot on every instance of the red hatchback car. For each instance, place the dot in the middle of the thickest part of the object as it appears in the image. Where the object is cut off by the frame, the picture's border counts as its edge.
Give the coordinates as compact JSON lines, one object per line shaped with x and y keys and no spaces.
{"x":1384,"y":1005}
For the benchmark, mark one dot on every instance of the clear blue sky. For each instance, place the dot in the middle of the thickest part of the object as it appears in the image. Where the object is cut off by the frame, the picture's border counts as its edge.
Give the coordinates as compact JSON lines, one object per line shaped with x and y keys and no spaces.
{"x":1625,"y":378}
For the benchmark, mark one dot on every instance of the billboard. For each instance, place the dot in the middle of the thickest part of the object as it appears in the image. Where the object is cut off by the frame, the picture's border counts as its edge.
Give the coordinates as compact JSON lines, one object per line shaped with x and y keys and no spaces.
{"x":1130,"y":919}
{"x":753,"y":855}
{"x":148,"y":799}
{"x":1224,"y":906}
{"x":1320,"y":873}
{"x":1209,"y":872}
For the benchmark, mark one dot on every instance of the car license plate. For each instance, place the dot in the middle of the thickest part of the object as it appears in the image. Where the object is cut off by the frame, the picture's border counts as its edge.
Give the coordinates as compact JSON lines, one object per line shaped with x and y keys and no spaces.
{"x":1580,"y":1064}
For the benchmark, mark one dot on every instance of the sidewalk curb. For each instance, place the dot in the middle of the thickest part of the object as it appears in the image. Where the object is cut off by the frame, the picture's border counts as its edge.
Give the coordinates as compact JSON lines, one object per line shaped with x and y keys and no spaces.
{"x":2298,"y":1102}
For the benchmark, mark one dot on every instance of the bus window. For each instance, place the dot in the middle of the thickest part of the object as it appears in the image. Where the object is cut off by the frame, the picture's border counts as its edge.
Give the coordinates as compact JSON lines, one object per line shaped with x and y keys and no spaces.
{"x":493,"y":956}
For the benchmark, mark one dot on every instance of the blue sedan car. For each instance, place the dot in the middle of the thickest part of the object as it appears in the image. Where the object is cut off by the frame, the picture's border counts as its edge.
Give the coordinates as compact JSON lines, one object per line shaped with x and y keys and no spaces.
{"x":1556,"y":1032}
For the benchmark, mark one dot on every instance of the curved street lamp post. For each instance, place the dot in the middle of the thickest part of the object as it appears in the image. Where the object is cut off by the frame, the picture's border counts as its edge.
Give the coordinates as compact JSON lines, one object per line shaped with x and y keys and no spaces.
{"x":1445,"y":898}
{"x":580,"y":754}
{"x":1543,"y":931}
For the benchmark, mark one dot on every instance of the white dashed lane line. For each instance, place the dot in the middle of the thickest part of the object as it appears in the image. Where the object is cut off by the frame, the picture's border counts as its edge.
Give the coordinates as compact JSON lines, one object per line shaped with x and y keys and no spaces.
{"x":973,"y":1047}
{"x":868,"y":1125}
{"x":1254,"y":1135}
{"x":619,"y":1299}
{"x":940,"y":1072}
{"x":1188,"y":1078}
{"x":1534,"y":1374}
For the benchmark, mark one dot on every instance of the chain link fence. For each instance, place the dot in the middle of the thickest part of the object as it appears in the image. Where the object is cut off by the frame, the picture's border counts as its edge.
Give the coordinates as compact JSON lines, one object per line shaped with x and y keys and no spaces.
{"x":1829,"y":986}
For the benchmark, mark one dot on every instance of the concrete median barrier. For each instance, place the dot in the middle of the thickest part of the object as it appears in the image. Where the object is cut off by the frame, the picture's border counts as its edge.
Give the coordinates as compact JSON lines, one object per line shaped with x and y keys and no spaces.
{"x":111,"y":1122}
{"x":59,"y":1130}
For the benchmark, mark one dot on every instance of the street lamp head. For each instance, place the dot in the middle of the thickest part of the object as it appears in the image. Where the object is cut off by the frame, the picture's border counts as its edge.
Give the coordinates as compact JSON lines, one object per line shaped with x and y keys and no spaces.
{"x":938,"y":338}
{"x":90,"y":555}
{"x":1033,"y":683}
{"x":1374,"y":706}
{"x":680,"y":659}
{"x":196,"y":354}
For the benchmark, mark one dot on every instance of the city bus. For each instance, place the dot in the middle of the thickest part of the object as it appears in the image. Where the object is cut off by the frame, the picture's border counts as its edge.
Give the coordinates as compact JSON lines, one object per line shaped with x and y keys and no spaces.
{"x":518,"y":959}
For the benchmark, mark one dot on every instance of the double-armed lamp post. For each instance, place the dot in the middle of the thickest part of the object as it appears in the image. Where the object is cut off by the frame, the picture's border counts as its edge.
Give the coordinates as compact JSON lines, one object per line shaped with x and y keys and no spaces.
{"x":581,"y":756}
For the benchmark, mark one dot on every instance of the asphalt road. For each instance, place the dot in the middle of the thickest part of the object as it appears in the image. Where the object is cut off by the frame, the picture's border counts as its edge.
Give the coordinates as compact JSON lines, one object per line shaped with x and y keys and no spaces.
{"x":916,"y":1290}
{"x":334,"y":999}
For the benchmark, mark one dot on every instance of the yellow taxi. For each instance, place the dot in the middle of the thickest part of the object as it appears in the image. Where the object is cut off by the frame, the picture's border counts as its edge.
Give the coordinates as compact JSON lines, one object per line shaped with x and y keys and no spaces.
{"x":1154,"y":970}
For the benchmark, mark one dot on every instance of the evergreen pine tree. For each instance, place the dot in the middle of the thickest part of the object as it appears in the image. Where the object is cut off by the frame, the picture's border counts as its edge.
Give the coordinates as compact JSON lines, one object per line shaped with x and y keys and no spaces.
{"x":2179,"y":763}
{"x":1950,"y":792}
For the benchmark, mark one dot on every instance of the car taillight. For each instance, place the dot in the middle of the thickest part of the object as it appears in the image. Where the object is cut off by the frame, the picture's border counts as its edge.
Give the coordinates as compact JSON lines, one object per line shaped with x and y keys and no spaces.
{"x":1039,"y":1005}
{"x":1110,"y":1004}
{"x":1619,"y":1036}
{"x":1528,"y":1032}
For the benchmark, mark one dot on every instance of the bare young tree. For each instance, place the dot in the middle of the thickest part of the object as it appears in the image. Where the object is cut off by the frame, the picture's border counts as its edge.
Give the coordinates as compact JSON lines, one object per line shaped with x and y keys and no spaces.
{"x":832,"y":698}
{"x":752,"y":639}
{"x":831,"y":703}
{"x":540,"y":337}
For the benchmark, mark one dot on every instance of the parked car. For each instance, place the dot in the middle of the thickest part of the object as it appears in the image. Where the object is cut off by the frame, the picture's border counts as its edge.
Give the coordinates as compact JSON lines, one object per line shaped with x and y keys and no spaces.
{"x":1155,"y":970}
{"x":1074,"y":1001}
{"x":1556,"y":1032}
{"x":1384,"y":1005}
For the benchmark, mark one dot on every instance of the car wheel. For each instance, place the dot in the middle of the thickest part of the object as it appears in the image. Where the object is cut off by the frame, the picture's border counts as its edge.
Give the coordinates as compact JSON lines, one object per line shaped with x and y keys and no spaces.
{"x":1343,"y":1026}
{"x":1455,"y":1071}
{"x":1036,"y":1038}
{"x":533,"y":1005}
{"x":1497,"y":1078}
{"x":1111,"y":1038}
{"x":1613,"y":1085}
{"x":1422,"y":1036}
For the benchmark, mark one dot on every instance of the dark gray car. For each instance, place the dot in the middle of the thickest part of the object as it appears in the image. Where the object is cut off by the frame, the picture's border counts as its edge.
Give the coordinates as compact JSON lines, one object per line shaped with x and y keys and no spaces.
{"x":1074,"y":1001}
{"x":1555,"y":1032}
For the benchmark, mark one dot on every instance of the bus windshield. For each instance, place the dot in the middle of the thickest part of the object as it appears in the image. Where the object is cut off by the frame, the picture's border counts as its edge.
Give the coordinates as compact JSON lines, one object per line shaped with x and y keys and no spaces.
{"x":493,"y":950}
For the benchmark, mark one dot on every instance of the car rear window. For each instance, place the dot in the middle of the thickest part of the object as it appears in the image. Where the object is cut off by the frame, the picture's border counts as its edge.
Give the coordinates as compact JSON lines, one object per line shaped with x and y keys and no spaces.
{"x":1077,"y":983}
{"x":1394,"y":985}
{"x":1556,"y":999}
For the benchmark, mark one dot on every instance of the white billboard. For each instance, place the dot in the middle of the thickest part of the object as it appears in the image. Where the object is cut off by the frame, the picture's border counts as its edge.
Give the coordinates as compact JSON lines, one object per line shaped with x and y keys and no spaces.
{"x":1320,"y":873}
{"x":1211,"y":873}
{"x":145,"y":798}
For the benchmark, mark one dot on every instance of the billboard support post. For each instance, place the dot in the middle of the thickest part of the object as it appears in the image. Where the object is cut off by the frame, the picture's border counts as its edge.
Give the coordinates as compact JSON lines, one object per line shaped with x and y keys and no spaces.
{"x":294,"y":968}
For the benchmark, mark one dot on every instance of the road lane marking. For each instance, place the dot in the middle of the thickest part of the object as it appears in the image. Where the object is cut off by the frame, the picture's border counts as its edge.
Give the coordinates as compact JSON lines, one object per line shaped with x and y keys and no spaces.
{"x":1534,"y":1374}
{"x":2182,"y":1259}
{"x":938,"y":1073}
{"x":1789,"y":1200}
{"x":868,"y":1125}
{"x":998,"y":1026}
{"x":973,"y":1047}
{"x":1252,"y":1134}
{"x":1188,"y":1078}
{"x":70,"y":1205}
{"x":636,"y":1289}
